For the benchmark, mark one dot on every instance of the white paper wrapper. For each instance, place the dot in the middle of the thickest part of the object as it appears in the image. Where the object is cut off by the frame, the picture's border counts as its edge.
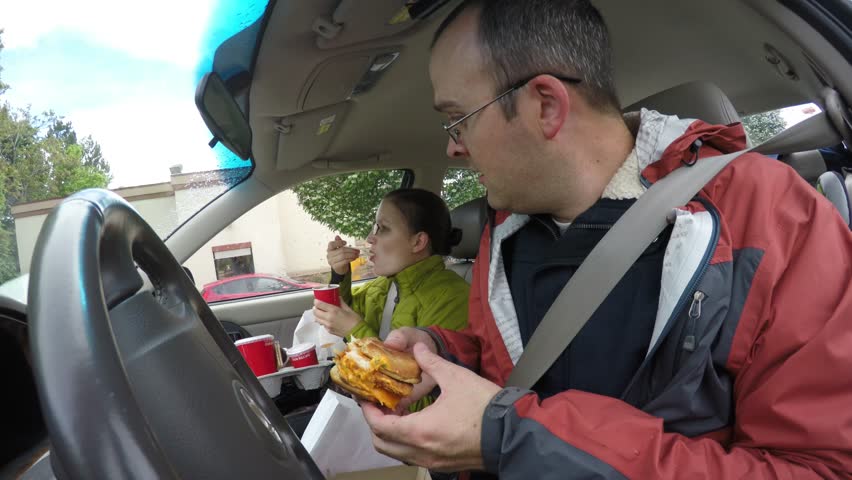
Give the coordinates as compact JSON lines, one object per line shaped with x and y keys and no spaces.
{"x":339,"y":439}
{"x":309,"y":331}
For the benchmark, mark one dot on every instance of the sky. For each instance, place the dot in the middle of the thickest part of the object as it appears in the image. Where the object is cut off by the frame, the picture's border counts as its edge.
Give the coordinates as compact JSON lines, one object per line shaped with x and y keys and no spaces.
{"x":123,"y":72}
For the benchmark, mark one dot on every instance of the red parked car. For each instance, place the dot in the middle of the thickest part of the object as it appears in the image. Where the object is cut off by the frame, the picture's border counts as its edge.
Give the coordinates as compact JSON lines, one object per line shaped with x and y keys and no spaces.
{"x":250,"y":285}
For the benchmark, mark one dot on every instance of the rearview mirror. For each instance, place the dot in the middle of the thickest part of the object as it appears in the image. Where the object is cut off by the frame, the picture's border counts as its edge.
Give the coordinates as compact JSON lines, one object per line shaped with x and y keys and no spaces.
{"x":223,"y":116}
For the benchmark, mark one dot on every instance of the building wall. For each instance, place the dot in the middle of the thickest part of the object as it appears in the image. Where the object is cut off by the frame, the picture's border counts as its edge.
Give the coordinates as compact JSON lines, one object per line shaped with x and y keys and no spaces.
{"x":285,"y":241}
{"x":158,"y":212}
{"x":26,"y":234}
{"x":304,"y":241}
{"x":190,"y":200}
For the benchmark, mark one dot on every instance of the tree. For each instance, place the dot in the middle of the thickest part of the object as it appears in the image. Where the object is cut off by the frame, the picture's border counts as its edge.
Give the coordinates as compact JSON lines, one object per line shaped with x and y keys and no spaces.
{"x":763,"y":126}
{"x":40,"y":158}
{"x":461,"y":185}
{"x":3,"y":86}
{"x":347,"y":203}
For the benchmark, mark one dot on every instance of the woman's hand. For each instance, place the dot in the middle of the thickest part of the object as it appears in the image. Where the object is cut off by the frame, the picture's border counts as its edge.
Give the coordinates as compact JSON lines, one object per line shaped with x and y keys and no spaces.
{"x":339,"y":255}
{"x":337,"y":320}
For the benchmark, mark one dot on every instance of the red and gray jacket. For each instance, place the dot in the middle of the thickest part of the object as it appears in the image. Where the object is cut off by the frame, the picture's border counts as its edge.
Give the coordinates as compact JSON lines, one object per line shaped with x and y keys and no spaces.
{"x":756,"y":383}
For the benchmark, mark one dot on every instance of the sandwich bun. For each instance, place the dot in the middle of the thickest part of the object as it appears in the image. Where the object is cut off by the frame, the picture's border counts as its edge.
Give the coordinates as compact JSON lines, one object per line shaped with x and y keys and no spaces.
{"x":374,"y":372}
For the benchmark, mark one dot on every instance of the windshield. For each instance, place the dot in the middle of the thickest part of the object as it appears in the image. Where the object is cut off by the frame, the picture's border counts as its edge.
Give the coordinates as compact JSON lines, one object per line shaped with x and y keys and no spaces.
{"x":101,"y":94}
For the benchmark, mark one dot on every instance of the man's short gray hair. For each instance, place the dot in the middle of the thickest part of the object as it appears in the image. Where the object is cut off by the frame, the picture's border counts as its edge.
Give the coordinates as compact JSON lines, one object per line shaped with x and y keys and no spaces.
{"x":523,"y":38}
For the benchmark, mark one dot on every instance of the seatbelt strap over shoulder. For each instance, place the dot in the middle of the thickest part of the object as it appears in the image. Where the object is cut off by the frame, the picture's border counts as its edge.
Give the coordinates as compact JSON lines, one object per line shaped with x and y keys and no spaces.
{"x":387,"y":313}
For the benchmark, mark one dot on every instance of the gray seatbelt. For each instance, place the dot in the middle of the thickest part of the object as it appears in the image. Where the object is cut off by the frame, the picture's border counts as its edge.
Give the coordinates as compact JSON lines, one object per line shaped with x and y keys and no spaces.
{"x":630,"y":236}
{"x":387,"y":313}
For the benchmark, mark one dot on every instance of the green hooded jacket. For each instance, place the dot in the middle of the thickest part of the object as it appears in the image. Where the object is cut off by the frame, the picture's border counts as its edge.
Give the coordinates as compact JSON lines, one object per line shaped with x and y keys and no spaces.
{"x":429,"y":294}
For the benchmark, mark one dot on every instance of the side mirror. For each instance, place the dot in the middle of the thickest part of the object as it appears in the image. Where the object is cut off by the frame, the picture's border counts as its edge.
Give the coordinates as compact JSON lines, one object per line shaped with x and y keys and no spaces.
{"x":223,"y":116}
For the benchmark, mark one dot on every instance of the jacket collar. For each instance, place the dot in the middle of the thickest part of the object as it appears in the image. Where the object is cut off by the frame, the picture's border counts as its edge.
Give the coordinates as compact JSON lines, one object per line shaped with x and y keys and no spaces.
{"x":662,"y":145}
{"x":674,"y":143}
{"x":411,"y":277}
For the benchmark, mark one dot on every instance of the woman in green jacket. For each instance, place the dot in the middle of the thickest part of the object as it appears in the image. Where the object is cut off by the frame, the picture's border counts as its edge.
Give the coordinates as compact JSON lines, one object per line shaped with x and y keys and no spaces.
{"x":411,"y":235}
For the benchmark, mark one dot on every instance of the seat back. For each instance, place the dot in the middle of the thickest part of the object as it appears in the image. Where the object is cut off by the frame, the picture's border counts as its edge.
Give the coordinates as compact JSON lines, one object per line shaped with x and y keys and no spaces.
{"x":832,"y":185}
{"x":809,"y":164}
{"x":699,"y":100}
{"x":470,"y":217}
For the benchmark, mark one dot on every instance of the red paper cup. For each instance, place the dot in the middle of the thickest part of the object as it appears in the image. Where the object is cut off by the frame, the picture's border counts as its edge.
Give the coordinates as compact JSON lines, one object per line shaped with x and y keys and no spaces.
{"x":302,"y":355}
{"x":328,"y":294}
{"x":259,"y":353}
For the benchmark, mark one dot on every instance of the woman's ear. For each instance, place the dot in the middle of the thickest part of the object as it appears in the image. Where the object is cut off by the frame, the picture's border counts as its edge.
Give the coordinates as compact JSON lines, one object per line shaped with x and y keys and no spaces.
{"x":419,"y":242}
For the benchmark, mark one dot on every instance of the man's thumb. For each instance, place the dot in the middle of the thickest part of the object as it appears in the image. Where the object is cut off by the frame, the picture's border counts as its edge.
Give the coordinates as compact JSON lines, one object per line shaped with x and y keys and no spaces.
{"x":430,"y":363}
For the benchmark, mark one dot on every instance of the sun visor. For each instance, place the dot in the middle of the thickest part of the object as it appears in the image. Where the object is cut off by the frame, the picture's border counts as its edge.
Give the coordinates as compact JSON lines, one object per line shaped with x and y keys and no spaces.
{"x":353,"y":22}
{"x":337,"y":79}
{"x":306,"y":136}
{"x":334,"y":80}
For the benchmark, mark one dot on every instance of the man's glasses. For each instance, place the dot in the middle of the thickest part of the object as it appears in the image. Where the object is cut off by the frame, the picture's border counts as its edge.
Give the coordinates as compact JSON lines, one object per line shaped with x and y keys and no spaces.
{"x":453,"y":129}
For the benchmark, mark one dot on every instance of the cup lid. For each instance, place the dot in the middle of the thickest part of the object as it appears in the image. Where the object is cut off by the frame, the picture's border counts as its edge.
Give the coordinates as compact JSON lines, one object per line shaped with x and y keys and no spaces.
{"x":300,"y":348}
{"x":258,"y":338}
{"x":331,"y":286}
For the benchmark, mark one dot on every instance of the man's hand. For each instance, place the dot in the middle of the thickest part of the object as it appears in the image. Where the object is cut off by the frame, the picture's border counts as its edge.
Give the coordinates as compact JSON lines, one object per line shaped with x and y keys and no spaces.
{"x":404,"y":339}
{"x":337,"y":320}
{"x":339,"y":255}
{"x":445,"y":436}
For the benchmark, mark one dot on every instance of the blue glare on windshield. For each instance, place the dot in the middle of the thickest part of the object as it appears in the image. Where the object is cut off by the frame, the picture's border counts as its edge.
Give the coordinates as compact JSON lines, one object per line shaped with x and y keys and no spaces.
{"x":238,"y":22}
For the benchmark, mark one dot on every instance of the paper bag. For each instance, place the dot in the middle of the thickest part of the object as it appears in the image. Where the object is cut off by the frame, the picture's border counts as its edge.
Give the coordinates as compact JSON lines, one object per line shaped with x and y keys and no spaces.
{"x":339,"y":439}
{"x":309,"y":331}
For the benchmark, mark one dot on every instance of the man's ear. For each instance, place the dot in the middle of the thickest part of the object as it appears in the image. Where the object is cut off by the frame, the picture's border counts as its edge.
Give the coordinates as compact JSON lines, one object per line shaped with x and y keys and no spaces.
{"x":553,"y":102}
{"x":419,"y":242}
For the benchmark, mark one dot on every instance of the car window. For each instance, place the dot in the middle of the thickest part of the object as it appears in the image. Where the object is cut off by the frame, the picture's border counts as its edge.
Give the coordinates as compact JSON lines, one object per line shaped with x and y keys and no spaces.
{"x":270,"y":285}
{"x":762,"y":126}
{"x":280,"y":245}
{"x":461,"y":185}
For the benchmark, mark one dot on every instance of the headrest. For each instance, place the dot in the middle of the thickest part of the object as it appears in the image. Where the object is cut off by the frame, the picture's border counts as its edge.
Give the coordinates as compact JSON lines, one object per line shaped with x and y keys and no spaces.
{"x":809,"y":164}
{"x":470,"y":217}
{"x":831,"y":185}
{"x":699,"y":100}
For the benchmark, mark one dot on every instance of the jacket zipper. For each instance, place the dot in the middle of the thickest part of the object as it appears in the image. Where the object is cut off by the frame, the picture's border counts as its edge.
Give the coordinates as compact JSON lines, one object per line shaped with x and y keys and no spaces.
{"x":581,"y":226}
{"x":591,"y":226}
{"x":694,"y":315}
{"x":692,"y":286}
{"x":689,"y":292}
{"x":689,"y":338}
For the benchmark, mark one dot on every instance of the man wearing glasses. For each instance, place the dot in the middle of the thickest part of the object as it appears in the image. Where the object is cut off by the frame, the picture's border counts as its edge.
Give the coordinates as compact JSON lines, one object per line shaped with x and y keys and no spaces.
{"x":716,"y":356}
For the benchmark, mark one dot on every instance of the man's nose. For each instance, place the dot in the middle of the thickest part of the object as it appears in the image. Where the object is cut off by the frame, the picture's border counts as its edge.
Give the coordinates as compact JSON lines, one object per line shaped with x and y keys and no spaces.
{"x":455,"y":150}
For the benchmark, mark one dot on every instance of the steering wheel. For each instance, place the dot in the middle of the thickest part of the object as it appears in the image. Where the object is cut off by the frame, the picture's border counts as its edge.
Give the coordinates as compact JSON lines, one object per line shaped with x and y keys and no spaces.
{"x":136,"y":377}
